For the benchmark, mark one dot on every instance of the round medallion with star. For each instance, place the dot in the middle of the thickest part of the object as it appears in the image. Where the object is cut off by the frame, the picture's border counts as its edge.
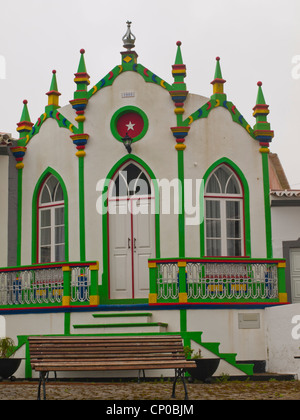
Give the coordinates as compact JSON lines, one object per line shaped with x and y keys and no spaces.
{"x":129,"y":120}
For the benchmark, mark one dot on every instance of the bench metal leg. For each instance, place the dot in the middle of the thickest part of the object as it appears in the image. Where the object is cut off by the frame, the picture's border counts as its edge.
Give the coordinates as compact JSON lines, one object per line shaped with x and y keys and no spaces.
{"x":139,"y":375}
{"x":179,"y":373}
{"x":42,"y":381}
{"x":48,"y":373}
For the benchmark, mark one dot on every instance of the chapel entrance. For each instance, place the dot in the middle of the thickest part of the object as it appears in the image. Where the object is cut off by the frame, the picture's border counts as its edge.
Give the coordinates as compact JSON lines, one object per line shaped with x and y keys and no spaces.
{"x":131,"y":232}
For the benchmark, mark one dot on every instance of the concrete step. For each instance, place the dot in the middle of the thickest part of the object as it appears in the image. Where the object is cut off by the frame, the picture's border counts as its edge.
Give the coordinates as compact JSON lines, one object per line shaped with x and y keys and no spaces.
{"x":122,"y":317}
{"x":119,"y":322}
{"x":116,"y":328}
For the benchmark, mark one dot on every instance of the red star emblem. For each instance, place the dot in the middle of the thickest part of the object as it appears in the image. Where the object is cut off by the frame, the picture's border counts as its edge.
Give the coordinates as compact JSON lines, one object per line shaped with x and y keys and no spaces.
{"x":131,"y":123}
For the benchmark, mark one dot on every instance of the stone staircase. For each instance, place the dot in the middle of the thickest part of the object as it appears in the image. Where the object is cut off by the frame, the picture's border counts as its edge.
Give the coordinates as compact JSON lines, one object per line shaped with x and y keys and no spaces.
{"x":230,"y":358}
{"x":115,"y":323}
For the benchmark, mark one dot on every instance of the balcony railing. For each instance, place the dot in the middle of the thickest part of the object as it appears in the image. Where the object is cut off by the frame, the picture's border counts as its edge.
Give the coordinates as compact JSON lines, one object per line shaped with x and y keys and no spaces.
{"x":49,"y":284}
{"x":217,"y":280}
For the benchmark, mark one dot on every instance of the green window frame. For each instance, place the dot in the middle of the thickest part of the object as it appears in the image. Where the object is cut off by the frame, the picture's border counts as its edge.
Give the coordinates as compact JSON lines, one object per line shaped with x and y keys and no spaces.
{"x":38,"y":207}
{"x":243,"y":198}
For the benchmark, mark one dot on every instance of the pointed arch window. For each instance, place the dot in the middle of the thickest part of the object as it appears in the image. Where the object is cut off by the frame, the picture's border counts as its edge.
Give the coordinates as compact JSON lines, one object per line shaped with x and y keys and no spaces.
{"x":131,"y":181}
{"x":224,"y":213}
{"x":51,"y":221}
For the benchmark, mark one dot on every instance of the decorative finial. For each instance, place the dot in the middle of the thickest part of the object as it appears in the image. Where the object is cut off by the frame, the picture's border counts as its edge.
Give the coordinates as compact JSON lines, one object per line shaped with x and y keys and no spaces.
{"x":218,"y":82}
{"x":53,"y":94}
{"x":262,"y":129}
{"x":128,"y":39}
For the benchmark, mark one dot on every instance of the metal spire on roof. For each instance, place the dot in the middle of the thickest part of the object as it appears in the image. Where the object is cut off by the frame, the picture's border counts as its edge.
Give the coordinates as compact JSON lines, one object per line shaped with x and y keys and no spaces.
{"x":128,"y":39}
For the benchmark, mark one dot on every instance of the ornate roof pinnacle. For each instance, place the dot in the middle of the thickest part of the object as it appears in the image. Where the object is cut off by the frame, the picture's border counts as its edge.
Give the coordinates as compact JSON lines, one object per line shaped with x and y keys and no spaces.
{"x":128,"y":39}
{"x":178,"y":59}
{"x":262,"y":130}
{"x":218,"y":73}
{"x":218,"y":82}
{"x":82,"y":78}
{"x":260,"y":100}
{"x":179,"y":69}
{"x":53,"y":93}
{"x":25,"y":114}
{"x":25,"y":125}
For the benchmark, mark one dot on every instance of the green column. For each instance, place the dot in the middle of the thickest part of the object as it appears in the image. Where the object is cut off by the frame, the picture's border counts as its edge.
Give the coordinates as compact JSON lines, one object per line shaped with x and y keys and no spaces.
{"x":81,"y":207}
{"x":282,"y":294}
{"x":152,"y":282}
{"x":19,"y":243}
{"x":94,"y":294}
{"x":67,"y":272}
{"x":268,"y":229}
{"x":181,"y":217}
{"x":263,"y":133}
{"x":182,"y":281}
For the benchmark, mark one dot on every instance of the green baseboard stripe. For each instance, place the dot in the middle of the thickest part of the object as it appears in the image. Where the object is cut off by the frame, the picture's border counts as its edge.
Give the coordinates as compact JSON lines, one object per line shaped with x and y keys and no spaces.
{"x":125,"y":325}
{"x":120,"y":314}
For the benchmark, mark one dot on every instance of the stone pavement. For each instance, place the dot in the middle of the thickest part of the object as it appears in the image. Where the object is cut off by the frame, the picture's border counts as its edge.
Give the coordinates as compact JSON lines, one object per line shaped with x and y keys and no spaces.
{"x":227,"y":390}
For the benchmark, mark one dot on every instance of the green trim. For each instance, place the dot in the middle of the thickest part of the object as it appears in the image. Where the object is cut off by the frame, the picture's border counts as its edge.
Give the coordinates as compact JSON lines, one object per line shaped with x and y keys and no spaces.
{"x":41,"y":179}
{"x":81,"y":207}
{"x":67,"y":323}
{"x":122,"y":111}
{"x":55,"y":115}
{"x":181,"y":215}
{"x":244,"y":260}
{"x":66,"y":285}
{"x":268,"y":228}
{"x":212,"y":104}
{"x":121,"y":315}
{"x":281,"y":280}
{"x":146,"y":74}
{"x":244,"y":182}
{"x":214,"y":348}
{"x":123,"y":325}
{"x":183,"y":320}
{"x":19,"y":215}
{"x":104,"y":292}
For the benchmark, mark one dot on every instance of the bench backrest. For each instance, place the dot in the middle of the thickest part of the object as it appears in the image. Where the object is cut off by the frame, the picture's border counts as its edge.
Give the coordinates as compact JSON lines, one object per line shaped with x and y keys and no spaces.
{"x":105,"y":348}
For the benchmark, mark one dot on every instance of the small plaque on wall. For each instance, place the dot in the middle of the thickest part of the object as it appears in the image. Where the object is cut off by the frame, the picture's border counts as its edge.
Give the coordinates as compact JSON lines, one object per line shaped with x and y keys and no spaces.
{"x":127,"y":94}
{"x":249,"y":321}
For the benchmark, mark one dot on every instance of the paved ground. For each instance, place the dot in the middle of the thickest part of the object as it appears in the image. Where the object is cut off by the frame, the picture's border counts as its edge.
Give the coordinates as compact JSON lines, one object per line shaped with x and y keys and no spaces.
{"x":230,"y":390}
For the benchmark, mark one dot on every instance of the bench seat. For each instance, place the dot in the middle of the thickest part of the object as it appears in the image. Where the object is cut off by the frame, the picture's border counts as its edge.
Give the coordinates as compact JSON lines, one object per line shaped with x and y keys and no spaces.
{"x":78,"y":353}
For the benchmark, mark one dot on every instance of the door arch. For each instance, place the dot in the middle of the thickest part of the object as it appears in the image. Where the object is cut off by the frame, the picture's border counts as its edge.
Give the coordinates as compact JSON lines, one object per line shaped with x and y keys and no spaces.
{"x":131,"y":231}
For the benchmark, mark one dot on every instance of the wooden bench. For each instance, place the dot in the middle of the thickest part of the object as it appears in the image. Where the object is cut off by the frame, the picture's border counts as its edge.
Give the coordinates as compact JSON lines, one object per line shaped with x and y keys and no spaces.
{"x":73,"y":353}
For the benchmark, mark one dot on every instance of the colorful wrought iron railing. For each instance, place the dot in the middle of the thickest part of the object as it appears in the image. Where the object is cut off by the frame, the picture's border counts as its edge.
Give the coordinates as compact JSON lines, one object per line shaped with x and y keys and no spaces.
{"x":63,"y":284}
{"x":217,"y":280}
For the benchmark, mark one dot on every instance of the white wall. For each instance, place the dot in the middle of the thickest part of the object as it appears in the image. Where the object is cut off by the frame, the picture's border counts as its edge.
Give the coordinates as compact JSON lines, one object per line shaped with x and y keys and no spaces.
{"x":31,"y":324}
{"x":216,"y":137}
{"x":103,"y":151}
{"x":51,"y":147}
{"x":222,"y":326}
{"x":208,"y":140}
{"x":283,"y":339}
{"x":285,"y":227}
